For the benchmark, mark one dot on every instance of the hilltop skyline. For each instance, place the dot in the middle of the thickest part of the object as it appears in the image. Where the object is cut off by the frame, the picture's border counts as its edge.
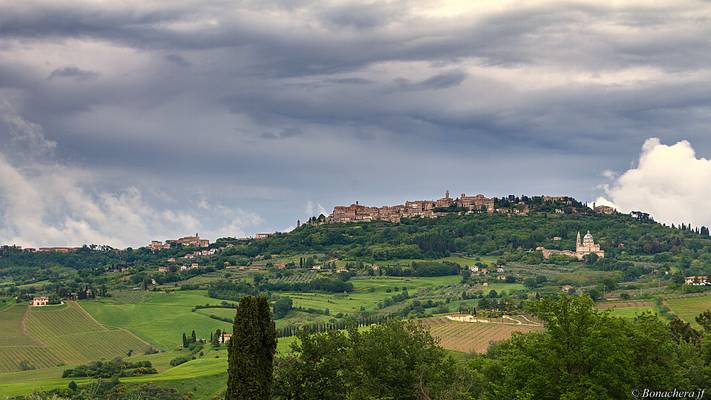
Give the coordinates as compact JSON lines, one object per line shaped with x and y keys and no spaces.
{"x":125,"y":122}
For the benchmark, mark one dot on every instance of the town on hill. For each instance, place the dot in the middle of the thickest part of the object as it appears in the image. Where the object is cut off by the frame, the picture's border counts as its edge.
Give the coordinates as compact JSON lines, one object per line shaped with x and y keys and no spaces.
{"x":463,"y":204}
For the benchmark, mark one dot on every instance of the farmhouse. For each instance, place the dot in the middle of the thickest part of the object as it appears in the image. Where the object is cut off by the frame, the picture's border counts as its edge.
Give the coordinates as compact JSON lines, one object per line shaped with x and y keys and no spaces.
{"x":163,"y":269}
{"x":700,"y":280}
{"x":40,"y":301}
{"x":225,"y":337}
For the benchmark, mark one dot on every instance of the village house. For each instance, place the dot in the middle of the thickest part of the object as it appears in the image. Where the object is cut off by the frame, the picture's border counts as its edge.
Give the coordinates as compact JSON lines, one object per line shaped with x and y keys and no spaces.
{"x":474,"y":268}
{"x":163,"y":269}
{"x":501,"y":277}
{"x":604,"y":209}
{"x":156,"y":245}
{"x":40,"y":301}
{"x":260,"y":236}
{"x":567,"y":288}
{"x":225,"y":337}
{"x":699,"y":280}
{"x":499,"y":269}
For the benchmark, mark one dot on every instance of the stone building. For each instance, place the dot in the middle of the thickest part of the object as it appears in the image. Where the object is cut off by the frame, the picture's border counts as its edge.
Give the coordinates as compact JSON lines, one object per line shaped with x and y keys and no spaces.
{"x":583,"y":247}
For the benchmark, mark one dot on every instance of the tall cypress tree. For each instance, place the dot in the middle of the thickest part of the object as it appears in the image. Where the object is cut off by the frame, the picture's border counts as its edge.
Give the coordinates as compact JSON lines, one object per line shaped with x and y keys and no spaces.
{"x":185,"y":341}
{"x":251,"y":351}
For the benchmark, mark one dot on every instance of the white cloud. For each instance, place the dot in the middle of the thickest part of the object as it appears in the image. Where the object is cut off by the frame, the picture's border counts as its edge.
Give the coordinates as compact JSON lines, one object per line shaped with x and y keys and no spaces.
{"x":670,"y":182}
{"x":46,"y":203}
{"x":314,"y":209}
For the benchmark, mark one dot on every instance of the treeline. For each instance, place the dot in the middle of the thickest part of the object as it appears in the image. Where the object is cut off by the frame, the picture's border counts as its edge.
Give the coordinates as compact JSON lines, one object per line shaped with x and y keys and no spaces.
{"x":583,"y":353}
{"x":108,"y":369}
{"x":229,"y":290}
{"x":316,"y":285}
{"x":335,"y":325}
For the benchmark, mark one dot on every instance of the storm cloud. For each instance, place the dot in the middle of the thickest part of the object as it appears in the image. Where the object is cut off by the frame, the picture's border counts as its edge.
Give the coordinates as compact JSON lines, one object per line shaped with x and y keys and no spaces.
{"x":264,"y":109}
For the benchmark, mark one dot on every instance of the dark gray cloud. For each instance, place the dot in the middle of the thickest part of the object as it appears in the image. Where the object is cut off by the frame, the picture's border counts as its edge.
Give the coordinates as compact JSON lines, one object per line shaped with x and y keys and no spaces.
{"x":72,"y":72}
{"x":264,"y":106}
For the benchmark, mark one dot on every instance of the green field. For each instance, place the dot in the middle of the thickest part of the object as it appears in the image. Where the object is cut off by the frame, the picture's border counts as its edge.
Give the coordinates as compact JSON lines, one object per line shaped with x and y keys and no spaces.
{"x":43,"y":337}
{"x":631,"y":312}
{"x":688,"y":308}
{"x":158,"y":317}
{"x":368,"y":291}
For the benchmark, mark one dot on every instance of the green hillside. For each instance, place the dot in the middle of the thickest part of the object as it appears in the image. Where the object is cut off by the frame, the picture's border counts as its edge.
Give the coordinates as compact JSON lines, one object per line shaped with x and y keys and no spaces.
{"x":42,"y":337}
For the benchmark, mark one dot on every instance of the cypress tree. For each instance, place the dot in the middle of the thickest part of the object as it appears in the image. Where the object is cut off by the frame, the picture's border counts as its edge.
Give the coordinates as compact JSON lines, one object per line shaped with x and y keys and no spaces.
{"x":251,"y":351}
{"x":194,"y":337}
{"x":185,"y":340}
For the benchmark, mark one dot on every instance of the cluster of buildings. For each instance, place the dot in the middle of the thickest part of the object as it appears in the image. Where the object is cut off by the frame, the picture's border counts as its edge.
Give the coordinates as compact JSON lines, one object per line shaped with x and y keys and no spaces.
{"x":186,"y":267}
{"x":40,"y":301}
{"x":583,"y":247}
{"x":191,"y":241}
{"x":412,"y":209}
{"x":699,"y":280}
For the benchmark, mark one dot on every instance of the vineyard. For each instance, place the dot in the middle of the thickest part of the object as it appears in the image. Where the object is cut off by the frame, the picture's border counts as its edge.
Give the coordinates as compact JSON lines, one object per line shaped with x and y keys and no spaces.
{"x":474,"y":336}
{"x":301,"y":277}
{"x":49,"y":336}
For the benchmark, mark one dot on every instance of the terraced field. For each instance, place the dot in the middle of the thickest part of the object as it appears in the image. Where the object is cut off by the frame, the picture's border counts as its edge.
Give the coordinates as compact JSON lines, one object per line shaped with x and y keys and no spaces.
{"x":43,"y":337}
{"x":469,"y":337}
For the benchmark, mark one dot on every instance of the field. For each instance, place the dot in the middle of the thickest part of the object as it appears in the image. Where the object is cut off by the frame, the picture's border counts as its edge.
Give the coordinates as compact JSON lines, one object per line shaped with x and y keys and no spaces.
{"x":687,"y":308}
{"x":628,"y":309}
{"x":158,"y":318}
{"x":472,"y":336}
{"x":368,"y":291}
{"x":43,"y":337}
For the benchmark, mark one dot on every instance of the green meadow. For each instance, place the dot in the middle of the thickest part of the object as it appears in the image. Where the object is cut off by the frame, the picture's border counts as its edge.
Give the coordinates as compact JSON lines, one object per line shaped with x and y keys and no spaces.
{"x":688,"y":308}
{"x":157,"y":317}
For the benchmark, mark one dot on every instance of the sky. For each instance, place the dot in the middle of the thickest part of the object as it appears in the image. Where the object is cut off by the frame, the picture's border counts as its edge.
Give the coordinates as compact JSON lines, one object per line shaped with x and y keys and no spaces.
{"x":126,"y":121}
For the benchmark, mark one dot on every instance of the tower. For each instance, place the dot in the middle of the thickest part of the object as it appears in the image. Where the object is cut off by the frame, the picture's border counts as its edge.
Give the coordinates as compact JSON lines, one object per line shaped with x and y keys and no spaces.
{"x":446,"y":194}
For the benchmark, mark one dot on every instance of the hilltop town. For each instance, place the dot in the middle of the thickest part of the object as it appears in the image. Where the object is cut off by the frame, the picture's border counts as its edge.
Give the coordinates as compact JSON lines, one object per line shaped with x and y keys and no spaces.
{"x":463,"y":205}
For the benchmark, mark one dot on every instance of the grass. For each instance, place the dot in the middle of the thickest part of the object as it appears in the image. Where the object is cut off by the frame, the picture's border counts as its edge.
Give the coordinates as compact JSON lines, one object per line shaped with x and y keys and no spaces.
{"x":688,"y":308}
{"x":631,"y":312}
{"x":158,"y":317}
{"x":44,"y":337}
{"x":205,"y":377}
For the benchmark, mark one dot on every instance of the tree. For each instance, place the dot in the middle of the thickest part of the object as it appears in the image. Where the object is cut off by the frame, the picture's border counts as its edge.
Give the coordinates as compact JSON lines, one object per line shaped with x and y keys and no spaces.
{"x":282,"y":307}
{"x":704,"y":319}
{"x":73,"y":386}
{"x":588,"y":354}
{"x":394,"y":360}
{"x":193,"y":337}
{"x":185,"y":341}
{"x":251,"y":351}
{"x":682,"y":331}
